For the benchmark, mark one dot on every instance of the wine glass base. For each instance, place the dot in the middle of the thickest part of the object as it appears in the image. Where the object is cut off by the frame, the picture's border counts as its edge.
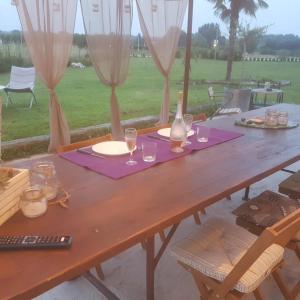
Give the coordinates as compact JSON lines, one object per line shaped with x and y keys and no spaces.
{"x":202,"y":140}
{"x":177,"y":150}
{"x":131,"y":162}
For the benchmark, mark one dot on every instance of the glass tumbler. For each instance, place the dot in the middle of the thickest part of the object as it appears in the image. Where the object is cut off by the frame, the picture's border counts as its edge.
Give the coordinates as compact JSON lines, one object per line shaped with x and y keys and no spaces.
{"x":188,"y":121}
{"x":43,"y":173}
{"x":149,"y":151}
{"x":202,"y":134}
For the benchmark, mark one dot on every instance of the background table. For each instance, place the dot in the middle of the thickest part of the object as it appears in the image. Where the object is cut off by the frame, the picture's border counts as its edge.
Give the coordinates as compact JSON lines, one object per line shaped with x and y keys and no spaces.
{"x":106,"y":217}
{"x":265,"y":93}
{"x":2,"y":87}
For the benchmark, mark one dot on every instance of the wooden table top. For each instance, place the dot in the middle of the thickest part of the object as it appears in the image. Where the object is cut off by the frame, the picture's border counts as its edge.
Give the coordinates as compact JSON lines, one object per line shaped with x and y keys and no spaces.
{"x":265,"y":91}
{"x":107,"y":216}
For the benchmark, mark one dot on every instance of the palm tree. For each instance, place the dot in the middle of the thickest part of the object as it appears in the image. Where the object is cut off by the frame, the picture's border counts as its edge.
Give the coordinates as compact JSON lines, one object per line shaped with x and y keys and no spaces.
{"x":229,"y":11}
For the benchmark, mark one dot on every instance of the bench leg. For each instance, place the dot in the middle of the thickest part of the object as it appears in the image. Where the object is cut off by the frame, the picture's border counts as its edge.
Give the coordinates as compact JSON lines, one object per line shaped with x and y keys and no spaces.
{"x":283,"y":288}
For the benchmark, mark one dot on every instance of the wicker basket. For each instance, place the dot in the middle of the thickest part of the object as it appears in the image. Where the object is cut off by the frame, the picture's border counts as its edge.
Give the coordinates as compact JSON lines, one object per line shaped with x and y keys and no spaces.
{"x":10,"y":195}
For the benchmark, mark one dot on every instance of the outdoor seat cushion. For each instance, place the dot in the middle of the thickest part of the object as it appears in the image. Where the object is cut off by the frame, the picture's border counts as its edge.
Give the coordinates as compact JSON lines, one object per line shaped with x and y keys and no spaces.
{"x":228,"y":111}
{"x":216,"y":248}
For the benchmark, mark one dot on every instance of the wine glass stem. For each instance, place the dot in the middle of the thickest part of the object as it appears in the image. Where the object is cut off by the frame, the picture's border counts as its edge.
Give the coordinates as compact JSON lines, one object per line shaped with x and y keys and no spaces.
{"x":130,"y":157}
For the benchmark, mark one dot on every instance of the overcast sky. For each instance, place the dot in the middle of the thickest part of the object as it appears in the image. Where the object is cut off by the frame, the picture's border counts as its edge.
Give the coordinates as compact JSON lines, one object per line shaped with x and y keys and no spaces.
{"x":282,"y":16}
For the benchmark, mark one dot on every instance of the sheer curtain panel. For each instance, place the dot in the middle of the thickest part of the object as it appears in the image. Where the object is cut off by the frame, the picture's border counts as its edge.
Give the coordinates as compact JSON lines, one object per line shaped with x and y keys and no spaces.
{"x":108,"y":25}
{"x":161,"y":22}
{"x":48,"y":27}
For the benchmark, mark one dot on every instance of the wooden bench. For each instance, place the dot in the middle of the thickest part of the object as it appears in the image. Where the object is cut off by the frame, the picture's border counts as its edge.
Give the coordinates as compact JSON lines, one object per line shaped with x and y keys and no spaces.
{"x":291,"y":186}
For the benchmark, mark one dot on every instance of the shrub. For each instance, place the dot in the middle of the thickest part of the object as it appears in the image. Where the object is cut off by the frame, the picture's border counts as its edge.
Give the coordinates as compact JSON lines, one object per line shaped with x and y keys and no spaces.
{"x":8,"y":61}
{"x":13,"y":55}
{"x":178,"y":54}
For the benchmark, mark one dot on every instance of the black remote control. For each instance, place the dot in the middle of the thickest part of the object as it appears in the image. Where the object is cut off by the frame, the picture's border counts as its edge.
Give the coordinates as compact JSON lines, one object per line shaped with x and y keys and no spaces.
{"x":10,"y":242}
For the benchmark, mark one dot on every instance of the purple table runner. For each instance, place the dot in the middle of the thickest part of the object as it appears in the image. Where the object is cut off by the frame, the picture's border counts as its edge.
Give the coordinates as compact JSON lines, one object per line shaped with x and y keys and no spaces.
{"x":116,"y":167}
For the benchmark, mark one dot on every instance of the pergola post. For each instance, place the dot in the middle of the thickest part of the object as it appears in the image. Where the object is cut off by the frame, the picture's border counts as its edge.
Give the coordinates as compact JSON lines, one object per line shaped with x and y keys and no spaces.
{"x":188,"y":56}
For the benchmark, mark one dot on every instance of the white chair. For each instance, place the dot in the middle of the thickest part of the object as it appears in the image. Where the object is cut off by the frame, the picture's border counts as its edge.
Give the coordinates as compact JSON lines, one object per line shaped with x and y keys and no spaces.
{"x":22,"y":80}
{"x":212,"y":94}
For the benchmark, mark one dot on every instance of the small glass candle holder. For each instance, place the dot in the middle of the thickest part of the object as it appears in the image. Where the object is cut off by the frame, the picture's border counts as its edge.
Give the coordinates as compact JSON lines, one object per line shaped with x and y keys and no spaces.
{"x":283,"y":118}
{"x":271,"y":118}
{"x":269,"y":110}
{"x":33,"y":202}
{"x":43,"y":174}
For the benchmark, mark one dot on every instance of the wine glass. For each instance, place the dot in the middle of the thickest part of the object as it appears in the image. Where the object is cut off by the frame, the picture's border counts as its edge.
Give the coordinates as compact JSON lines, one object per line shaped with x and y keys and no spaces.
{"x":188,"y":121}
{"x":130,"y":139}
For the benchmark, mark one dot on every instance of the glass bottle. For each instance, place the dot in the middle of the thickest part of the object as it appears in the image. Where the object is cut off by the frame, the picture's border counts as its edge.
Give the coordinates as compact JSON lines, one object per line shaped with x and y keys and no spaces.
{"x":178,"y":130}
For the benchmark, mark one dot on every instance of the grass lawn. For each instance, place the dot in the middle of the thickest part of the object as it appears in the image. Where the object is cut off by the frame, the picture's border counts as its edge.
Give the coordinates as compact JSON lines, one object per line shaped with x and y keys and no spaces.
{"x":85,"y":100}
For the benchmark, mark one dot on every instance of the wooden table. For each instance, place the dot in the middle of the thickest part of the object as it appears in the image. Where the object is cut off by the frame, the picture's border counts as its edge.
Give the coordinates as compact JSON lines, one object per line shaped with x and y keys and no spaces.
{"x":265,"y":93}
{"x":107,"y":216}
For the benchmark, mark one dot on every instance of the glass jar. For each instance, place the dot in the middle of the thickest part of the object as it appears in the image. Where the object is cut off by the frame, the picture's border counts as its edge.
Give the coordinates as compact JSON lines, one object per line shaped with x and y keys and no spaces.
{"x":283,"y":118}
{"x":33,"y":202}
{"x":43,"y":173}
{"x":271,"y":118}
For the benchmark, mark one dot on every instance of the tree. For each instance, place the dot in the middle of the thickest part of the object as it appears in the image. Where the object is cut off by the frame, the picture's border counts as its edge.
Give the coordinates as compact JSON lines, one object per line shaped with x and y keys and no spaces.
{"x":229,"y":11}
{"x":79,"y":40}
{"x":210,"y":32}
{"x":182,"y":39}
{"x":250,"y":38}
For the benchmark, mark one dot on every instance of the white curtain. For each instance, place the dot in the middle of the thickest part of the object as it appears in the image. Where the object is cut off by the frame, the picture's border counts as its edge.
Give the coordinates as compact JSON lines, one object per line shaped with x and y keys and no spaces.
{"x":161,"y":22}
{"x":108,"y":25}
{"x":1,"y":103}
{"x":48,"y":27}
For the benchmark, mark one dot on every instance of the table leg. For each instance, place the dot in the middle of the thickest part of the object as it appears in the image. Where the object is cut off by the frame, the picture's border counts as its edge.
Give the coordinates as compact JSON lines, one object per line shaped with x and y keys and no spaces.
{"x":288,"y":171}
{"x":280,"y":98}
{"x":100,"y":286}
{"x":150,"y":267}
{"x":265,"y":100}
{"x":246,"y":195}
{"x":251,"y":101}
{"x":153,"y":259}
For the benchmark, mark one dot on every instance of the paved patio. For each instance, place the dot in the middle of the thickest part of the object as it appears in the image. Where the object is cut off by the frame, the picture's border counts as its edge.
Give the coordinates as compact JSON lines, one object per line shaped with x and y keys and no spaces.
{"x":125,"y":273}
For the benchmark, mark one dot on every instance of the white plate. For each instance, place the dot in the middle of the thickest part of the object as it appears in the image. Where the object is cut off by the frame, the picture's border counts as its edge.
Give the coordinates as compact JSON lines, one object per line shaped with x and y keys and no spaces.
{"x":111,"y":148}
{"x":166,"y":132}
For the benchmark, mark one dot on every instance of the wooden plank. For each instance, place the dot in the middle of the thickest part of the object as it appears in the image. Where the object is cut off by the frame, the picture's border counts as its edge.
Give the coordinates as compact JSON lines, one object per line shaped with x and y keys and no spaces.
{"x":108,"y":216}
